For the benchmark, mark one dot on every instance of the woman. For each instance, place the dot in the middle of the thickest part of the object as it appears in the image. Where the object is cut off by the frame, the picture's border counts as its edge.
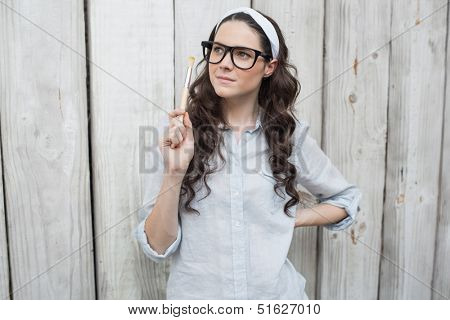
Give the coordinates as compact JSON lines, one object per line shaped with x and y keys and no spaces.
{"x":227,"y":177}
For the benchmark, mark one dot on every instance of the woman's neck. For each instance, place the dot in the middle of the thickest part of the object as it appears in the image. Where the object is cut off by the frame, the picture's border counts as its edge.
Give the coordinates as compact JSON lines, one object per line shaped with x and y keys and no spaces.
{"x":241,"y":114}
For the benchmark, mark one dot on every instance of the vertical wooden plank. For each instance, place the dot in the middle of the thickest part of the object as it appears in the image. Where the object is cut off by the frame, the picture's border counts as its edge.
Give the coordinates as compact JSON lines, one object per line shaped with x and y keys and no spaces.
{"x":45,"y":149}
{"x":414,"y":148}
{"x":132,"y":86}
{"x":302,"y":25}
{"x":441,"y":278}
{"x":355,"y":124}
{"x":4,"y":268}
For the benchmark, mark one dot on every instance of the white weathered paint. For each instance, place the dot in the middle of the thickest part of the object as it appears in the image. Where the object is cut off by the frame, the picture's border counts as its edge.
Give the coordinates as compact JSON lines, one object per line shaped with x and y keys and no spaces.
{"x":45,"y":150}
{"x":4,"y":268}
{"x":382,"y":117}
{"x":355,"y":98}
{"x":416,"y":100}
{"x":441,"y":278}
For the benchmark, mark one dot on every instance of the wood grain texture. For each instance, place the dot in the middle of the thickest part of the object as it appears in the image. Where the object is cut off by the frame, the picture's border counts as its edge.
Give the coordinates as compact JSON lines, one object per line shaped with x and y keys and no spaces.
{"x":302,"y":25}
{"x":379,"y":110}
{"x":131,"y":87}
{"x":416,"y":93}
{"x":441,"y":278}
{"x":4,"y":267}
{"x":45,"y":149}
{"x":355,"y":124}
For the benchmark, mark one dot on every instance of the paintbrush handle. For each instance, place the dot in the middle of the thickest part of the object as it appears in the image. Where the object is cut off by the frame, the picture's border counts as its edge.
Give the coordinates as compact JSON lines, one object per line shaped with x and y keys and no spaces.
{"x":184,"y":98}
{"x":183,"y":103}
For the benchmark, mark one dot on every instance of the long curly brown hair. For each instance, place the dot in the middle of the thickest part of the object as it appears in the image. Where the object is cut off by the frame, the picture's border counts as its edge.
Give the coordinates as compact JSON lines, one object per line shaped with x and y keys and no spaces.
{"x":276,"y":96}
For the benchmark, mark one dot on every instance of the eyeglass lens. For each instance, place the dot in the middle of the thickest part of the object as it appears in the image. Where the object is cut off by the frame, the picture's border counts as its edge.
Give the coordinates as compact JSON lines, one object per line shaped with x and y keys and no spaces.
{"x":242,"y":58}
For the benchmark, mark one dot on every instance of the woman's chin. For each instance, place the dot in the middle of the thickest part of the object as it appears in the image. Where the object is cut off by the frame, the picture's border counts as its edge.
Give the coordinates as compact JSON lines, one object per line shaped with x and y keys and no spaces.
{"x":223,"y":92}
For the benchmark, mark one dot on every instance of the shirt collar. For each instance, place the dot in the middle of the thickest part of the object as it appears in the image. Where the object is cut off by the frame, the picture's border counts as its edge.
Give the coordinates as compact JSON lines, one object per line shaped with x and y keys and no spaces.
{"x":257,"y":124}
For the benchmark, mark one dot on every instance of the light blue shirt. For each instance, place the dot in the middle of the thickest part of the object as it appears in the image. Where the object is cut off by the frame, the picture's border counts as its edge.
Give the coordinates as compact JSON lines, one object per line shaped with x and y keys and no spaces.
{"x":237,"y":247}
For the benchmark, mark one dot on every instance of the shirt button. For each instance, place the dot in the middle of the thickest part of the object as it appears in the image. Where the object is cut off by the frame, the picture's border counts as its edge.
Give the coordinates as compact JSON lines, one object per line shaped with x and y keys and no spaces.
{"x":235,"y":193}
{"x":238,"y":224}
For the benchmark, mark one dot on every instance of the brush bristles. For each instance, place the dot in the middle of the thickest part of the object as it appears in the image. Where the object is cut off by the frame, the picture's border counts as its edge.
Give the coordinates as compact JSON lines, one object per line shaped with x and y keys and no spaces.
{"x":191,"y":60}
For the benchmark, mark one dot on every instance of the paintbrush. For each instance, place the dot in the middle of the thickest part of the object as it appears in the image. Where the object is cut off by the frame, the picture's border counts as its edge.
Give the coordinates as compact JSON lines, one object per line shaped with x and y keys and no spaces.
{"x":185,"y":92}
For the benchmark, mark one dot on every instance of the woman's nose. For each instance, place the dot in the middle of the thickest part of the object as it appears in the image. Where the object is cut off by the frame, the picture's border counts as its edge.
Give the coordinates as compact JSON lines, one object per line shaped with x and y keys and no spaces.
{"x":226,"y":61}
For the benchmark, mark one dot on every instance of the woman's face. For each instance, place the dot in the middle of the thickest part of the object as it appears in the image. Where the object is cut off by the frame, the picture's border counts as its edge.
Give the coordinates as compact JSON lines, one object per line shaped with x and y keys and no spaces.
{"x":245,"y":82}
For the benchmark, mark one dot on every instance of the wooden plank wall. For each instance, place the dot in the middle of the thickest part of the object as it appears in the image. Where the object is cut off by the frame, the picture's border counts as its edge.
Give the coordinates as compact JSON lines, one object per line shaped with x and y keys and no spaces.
{"x":416,"y":101}
{"x":441,"y":280}
{"x":373,"y":78}
{"x":45,"y":156}
{"x":132,"y":86}
{"x":4,"y":268}
{"x":355,"y":102}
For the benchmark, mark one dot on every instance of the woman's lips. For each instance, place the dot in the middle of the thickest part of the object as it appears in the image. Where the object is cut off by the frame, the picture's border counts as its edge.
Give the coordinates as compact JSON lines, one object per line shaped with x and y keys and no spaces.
{"x":222,"y":80}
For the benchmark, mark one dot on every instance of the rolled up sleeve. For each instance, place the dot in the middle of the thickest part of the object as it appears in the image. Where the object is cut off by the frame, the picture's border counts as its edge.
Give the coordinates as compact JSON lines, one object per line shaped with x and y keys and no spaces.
{"x":349,"y":200}
{"x":141,"y":237}
{"x":321,"y":178}
{"x":151,"y":184}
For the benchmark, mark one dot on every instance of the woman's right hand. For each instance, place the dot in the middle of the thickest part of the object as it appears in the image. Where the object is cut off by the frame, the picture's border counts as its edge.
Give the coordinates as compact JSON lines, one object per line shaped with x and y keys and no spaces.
{"x":177,"y":146}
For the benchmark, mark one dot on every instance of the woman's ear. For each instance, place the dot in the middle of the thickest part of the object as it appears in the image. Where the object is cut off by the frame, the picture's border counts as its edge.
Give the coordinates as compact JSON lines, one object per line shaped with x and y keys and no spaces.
{"x":270,"y":68}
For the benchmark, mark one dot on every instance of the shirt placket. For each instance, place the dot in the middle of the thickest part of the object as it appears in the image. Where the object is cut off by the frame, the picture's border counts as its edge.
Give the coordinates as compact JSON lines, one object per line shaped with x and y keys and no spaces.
{"x":237,"y":220}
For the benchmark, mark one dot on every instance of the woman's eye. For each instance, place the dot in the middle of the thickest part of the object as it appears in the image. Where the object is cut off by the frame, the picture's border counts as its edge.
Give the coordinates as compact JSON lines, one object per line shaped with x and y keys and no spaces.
{"x":243,"y":54}
{"x":217,"y":49}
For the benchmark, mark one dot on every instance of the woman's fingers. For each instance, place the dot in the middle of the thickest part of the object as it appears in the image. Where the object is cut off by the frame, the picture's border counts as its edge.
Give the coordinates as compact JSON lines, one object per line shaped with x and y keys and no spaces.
{"x":183,"y":131}
{"x":173,"y":136}
{"x":176,"y":112}
{"x":179,"y":135}
{"x":177,"y":130}
{"x":176,"y":121}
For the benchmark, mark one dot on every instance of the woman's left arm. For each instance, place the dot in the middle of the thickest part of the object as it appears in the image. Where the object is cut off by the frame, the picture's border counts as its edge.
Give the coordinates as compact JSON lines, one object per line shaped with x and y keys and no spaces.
{"x":319,"y":215}
{"x":339,"y":199}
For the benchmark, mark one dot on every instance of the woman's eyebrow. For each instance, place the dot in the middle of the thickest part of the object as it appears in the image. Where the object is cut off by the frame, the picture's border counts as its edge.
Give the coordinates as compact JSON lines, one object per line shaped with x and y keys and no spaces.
{"x":232,"y":46}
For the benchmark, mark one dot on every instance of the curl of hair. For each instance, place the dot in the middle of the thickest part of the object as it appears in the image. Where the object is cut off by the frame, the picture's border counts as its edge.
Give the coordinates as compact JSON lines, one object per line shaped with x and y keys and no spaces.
{"x":276,"y":96}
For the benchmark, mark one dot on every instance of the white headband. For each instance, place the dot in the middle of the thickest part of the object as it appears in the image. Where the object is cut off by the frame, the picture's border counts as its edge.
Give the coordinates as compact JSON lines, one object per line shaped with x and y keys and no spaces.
{"x":265,"y":24}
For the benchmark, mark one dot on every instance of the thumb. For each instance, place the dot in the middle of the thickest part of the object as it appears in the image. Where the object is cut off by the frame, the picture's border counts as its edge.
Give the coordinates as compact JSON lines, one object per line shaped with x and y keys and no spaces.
{"x":188,"y":124}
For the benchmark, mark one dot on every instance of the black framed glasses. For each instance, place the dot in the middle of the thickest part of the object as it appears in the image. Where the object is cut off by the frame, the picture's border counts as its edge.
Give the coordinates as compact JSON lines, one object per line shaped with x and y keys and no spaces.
{"x":242,"y":57}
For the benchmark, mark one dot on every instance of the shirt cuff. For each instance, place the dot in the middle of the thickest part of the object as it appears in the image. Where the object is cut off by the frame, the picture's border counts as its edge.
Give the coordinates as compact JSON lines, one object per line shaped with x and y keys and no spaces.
{"x":141,"y":237}
{"x":351,"y":207}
